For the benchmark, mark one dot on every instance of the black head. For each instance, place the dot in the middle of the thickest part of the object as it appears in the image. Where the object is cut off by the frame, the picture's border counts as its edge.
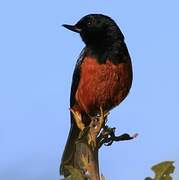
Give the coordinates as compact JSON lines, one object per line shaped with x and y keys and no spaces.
{"x":96,"y":29}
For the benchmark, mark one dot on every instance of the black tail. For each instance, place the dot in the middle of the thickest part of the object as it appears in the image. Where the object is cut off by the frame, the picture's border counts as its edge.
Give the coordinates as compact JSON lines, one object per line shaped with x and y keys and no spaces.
{"x":68,"y":154}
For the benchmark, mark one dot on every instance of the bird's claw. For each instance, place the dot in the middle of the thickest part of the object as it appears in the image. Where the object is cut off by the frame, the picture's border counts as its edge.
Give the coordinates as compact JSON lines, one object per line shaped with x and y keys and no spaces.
{"x":103,"y":114}
{"x":96,"y":124}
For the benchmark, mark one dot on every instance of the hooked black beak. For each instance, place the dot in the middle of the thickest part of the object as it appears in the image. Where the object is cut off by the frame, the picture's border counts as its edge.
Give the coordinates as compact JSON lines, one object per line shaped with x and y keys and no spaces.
{"x":72,"y":28}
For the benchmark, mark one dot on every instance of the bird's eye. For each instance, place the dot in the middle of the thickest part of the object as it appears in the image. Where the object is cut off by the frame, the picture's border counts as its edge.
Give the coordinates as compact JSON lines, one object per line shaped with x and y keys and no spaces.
{"x":89,"y":23}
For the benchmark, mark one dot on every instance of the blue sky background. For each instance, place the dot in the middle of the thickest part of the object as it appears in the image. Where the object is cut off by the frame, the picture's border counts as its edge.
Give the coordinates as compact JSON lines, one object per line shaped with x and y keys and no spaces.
{"x":37,"y":57}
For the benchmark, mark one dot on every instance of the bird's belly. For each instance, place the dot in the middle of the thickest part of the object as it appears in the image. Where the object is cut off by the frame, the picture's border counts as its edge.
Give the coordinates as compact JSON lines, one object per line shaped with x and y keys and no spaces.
{"x":102,"y":85}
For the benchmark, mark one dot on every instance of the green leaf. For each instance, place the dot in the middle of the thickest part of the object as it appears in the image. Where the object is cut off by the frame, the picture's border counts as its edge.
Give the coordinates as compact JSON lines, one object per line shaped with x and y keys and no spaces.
{"x":75,"y":174}
{"x":148,"y":178}
{"x":163,"y":171}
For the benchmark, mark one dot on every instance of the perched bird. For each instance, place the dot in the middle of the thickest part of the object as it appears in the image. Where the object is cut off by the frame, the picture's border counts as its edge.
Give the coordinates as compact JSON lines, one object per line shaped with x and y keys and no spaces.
{"x":102,"y":76}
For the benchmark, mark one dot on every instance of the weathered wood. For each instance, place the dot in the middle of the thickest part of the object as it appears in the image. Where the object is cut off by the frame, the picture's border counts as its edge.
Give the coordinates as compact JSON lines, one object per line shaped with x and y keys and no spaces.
{"x":90,"y":139}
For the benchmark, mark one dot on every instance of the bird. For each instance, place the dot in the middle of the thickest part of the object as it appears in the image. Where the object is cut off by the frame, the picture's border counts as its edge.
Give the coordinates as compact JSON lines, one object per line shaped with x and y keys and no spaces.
{"x":102,"y":76}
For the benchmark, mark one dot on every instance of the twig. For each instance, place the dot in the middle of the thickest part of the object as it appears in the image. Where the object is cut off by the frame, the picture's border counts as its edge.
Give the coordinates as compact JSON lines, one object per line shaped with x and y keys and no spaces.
{"x":107,"y":137}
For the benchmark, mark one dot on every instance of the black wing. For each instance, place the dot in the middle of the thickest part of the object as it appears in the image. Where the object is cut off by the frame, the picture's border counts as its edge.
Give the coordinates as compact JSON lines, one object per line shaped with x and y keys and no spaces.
{"x":76,"y":77}
{"x":68,"y":154}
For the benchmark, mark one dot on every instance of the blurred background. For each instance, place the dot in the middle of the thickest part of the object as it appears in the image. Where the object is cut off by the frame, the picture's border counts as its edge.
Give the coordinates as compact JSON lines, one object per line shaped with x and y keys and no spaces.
{"x":37,"y":58}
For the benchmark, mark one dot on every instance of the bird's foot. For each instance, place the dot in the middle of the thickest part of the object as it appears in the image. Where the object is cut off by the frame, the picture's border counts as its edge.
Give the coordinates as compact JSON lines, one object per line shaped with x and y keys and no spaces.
{"x":95,"y":126}
{"x":107,"y":137}
{"x":78,"y":119}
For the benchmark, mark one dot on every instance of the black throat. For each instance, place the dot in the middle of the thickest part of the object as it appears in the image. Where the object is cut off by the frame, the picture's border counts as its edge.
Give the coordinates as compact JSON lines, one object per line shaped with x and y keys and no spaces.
{"x":116,"y":52}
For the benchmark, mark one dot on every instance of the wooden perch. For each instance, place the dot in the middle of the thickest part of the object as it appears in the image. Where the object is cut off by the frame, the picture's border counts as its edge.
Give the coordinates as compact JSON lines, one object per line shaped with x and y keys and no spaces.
{"x":91,"y":138}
